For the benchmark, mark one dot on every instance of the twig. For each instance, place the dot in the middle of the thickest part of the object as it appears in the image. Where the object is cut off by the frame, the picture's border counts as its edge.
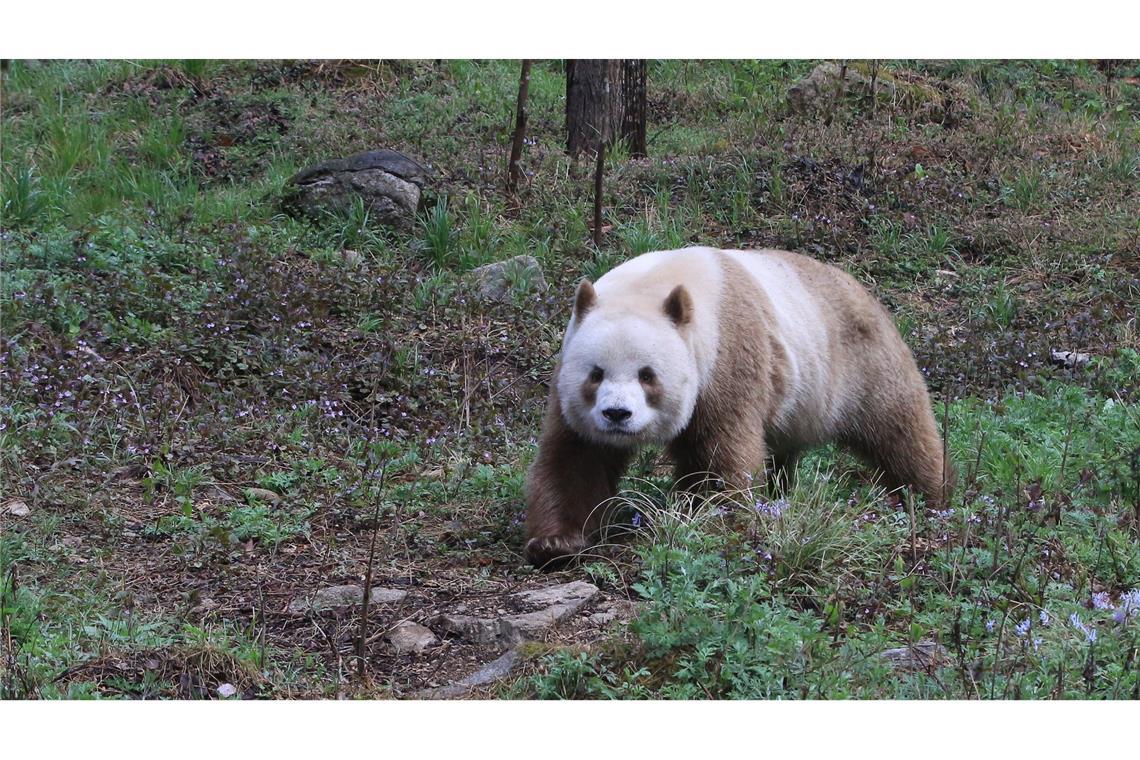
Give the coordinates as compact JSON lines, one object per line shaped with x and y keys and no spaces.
{"x":362,"y":636}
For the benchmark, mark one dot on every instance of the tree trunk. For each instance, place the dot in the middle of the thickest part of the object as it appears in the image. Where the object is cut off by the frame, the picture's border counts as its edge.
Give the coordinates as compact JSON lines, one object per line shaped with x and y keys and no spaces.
{"x":605,"y":101}
{"x":520,"y":130}
{"x":633,"y":106}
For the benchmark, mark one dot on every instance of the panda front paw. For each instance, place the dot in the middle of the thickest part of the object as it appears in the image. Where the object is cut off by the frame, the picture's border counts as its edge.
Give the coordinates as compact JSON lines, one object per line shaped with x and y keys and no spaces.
{"x":552,"y":552}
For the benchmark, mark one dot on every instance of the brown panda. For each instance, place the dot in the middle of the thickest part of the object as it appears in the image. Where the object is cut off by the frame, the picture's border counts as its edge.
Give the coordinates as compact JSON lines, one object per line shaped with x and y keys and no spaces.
{"x":726,"y":358}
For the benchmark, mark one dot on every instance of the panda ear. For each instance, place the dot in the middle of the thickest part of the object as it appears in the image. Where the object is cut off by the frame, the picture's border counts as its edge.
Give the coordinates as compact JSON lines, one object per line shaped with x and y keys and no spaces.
{"x":679,"y":306}
{"x":584,"y":300}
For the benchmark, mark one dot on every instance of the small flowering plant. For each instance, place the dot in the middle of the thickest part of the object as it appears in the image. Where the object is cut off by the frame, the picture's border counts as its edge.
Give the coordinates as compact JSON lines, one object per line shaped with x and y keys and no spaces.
{"x":1129,"y":607}
{"x":771,"y":509}
{"x":1086,"y":631}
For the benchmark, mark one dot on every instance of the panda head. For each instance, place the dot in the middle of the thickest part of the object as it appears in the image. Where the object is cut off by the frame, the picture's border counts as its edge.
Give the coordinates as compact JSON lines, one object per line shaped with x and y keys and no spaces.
{"x":628,"y":376}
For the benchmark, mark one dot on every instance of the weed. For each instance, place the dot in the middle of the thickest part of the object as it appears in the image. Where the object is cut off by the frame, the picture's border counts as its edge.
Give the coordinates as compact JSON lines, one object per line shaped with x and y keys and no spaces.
{"x":438,"y":234}
{"x":21,"y":200}
{"x":433,"y":292}
{"x":1001,"y":307}
{"x":1025,"y":192}
{"x":939,"y":243}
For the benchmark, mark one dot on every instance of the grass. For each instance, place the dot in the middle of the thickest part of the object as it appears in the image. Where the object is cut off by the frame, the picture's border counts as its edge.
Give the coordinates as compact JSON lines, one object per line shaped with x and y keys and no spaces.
{"x":171,"y":340}
{"x":1032,"y":596}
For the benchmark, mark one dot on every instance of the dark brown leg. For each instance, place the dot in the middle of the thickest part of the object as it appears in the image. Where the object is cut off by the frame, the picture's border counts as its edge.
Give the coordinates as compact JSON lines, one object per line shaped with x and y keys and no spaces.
{"x":565,"y":485}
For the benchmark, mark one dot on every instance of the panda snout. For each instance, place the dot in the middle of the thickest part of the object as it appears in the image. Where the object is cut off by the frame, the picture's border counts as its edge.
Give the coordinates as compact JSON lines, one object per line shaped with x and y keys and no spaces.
{"x":617,"y":414}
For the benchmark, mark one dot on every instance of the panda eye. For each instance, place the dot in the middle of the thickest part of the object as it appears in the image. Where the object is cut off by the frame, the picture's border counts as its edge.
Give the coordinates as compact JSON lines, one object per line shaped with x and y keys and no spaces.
{"x":596,"y":375}
{"x":646,"y":375}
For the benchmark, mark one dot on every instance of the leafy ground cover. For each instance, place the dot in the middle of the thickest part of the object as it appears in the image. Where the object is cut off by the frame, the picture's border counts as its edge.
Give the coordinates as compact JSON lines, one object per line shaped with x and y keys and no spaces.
{"x":199,"y":393}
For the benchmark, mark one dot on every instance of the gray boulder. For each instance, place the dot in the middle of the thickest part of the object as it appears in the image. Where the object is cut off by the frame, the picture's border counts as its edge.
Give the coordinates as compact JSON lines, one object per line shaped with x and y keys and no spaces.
{"x":389,"y":183}
{"x":500,"y":280}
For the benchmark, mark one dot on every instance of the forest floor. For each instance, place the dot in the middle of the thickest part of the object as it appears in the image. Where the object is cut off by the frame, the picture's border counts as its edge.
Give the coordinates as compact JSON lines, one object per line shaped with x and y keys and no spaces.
{"x":210,"y":410}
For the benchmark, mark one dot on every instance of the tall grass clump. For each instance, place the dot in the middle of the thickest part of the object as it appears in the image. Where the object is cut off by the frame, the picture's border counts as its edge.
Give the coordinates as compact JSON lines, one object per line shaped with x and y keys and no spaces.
{"x":438,"y":234}
{"x":22,"y":202}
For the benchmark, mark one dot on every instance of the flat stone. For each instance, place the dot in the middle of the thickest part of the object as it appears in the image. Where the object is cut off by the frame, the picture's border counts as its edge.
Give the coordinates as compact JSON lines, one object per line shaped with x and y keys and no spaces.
{"x":555,"y":603}
{"x":925,"y":655}
{"x":17,"y":508}
{"x":411,"y":637}
{"x":343,"y":596}
{"x":263,"y":495}
{"x":494,"y":670}
{"x":473,"y":629}
{"x":489,"y":673}
{"x":1069,"y":358}
{"x":574,"y":593}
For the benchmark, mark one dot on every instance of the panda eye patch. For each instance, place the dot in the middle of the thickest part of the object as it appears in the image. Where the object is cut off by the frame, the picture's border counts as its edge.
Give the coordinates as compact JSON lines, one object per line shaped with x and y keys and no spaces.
{"x":646,"y":375}
{"x":596,"y":375}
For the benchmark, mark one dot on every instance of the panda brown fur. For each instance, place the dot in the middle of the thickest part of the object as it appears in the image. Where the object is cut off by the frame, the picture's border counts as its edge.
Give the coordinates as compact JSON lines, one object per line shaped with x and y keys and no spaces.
{"x":726,"y":358}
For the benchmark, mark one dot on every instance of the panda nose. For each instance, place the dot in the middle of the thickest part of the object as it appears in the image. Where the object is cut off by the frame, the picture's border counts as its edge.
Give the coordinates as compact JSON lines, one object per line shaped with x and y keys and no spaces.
{"x":616,"y":414}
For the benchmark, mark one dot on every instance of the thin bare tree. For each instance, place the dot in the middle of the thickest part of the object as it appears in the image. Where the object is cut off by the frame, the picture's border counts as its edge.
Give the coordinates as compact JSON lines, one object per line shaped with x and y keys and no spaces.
{"x":520,"y":130}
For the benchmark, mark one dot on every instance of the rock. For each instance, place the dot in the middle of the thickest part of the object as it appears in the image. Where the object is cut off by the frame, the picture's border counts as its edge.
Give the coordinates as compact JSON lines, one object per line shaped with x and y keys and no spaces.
{"x":555,"y":604}
{"x":500,"y":280}
{"x":217,"y":493}
{"x":451,"y":691}
{"x":389,"y":183}
{"x":411,"y":637}
{"x":818,"y":92}
{"x":343,"y":596}
{"x":352,"y":259}
{"x":16,"y":508}
{"x":227,"y":690}
{"x":473,"y":629}
{"x":263,"y":495}
{"x":601,"y":618}
{"x":1069,"y":359}
{"x":492,"y":671}
{"x":575,"y":593}
{"x":925,"y":655}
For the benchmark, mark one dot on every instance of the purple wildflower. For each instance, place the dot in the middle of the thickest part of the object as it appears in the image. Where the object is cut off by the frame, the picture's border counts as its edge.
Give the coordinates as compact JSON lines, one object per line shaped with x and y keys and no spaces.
{"x":1090,"y":633}
{"x":1022,"y":628}
{"x":1102,"y":601}
{"x":636,"y":520}
{"x":1129,"y":606}
{"x":772,"y":509}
